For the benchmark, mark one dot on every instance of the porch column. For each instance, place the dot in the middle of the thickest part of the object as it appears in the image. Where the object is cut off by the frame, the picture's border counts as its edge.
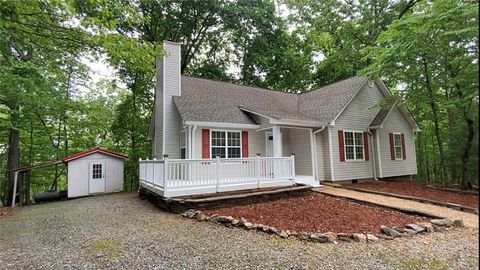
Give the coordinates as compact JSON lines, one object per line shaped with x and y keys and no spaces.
{"x":277,"y":142}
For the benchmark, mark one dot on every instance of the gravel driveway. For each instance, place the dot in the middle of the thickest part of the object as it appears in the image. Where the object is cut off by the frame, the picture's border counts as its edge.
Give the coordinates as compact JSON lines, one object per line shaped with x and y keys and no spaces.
{"x":122,"y":232}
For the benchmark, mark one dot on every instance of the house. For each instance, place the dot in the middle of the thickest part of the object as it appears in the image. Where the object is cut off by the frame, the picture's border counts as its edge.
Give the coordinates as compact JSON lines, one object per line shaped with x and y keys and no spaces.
{"x":94,"y":171}
{"x":333,"y":132}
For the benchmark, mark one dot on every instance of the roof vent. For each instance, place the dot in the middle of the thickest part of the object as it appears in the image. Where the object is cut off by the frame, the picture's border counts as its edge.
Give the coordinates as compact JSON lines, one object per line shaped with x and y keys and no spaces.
{"x":370,"y":82}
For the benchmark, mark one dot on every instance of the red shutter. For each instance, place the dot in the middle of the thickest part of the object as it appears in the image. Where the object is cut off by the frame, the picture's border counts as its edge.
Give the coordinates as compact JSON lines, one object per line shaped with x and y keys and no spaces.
{"x":244,"y":144}
{"x":205,"y":143}
{"x":341,"y":145}
{"x":392,"y":147}
{"x":365,"y":145}
{"x":404,"y":152}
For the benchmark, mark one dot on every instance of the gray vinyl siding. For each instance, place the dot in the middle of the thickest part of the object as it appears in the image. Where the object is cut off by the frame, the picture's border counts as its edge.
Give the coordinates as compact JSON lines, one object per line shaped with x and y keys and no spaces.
{"x":286,"y":151}
{"x":355,"y":117}
{"x":157,"y":145}
{"x":167,"y":119}
{"x":299,"y":143}
{"x":396,"y":122}
{"x":256,"y":143}
{"x":323,"y":158}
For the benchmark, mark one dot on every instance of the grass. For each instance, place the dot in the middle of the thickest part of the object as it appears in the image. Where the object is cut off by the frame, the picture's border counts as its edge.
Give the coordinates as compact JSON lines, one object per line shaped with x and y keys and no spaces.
{"x":109,"y":248}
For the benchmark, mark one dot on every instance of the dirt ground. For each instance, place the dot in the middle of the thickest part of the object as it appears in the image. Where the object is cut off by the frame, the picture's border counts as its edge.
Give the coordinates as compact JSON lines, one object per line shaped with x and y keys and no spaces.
{"x":120,"y":231}
{"x":420,"y":190}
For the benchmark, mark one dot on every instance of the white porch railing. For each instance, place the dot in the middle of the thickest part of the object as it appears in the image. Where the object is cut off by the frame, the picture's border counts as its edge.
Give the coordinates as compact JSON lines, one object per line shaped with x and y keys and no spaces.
{"x":182,"y":177}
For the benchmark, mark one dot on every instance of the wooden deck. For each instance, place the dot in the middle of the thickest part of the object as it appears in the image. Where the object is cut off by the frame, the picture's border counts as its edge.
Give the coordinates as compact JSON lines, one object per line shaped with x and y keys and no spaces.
{"x":183,"y":177}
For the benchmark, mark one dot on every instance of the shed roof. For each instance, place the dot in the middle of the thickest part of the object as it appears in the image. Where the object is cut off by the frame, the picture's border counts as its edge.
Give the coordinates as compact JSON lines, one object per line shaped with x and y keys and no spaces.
{"x":93,"y":151}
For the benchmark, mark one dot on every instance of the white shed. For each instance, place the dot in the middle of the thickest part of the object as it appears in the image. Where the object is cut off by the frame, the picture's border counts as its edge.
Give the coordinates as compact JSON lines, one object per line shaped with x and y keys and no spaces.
{"x":94,"y":171}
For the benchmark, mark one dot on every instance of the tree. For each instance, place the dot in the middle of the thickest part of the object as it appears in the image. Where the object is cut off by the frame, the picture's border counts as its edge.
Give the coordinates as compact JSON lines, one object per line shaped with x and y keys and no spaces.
{"x":434,"y":52}
{"x":338,"y":31}
{"x":34,"y":35}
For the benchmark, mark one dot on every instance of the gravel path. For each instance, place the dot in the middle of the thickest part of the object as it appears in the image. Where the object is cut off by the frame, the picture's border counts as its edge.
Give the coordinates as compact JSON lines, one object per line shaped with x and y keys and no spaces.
{"x":471,"y":220}
{"x":120,"y":231}
{"x":416,"y":189}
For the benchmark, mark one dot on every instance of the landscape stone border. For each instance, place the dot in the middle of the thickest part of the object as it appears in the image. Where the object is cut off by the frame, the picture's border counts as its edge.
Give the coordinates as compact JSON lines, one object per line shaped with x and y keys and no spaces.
{"x":224,"y":199}
{"x":409,"y":211}
{"x":468,"y":192}
{"x":455,"y":206}
{"x":387,"y":233}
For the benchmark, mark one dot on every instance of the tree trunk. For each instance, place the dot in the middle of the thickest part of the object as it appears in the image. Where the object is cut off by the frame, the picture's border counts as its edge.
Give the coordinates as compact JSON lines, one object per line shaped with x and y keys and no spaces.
{"x":421,"y":157}
{"x":133,"y":139}
{"x":451,"y":135}
{"x":465,"y":181}
{"x":436,"y":122}
{"x":427,"y":163}
{"x":13,"y":152}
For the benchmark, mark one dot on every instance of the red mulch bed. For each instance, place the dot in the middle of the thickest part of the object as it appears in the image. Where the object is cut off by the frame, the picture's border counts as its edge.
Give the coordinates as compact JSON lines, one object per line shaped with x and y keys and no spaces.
{"x":317,"y":212}
{"x":421,"y":190}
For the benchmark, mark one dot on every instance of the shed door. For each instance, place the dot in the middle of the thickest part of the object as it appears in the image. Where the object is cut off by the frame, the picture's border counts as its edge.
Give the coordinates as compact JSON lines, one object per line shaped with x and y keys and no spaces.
{"x":96,"y":183}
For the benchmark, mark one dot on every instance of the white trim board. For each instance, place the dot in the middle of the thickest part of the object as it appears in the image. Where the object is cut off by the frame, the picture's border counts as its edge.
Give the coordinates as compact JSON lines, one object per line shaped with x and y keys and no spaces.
{"x":222,"y":125}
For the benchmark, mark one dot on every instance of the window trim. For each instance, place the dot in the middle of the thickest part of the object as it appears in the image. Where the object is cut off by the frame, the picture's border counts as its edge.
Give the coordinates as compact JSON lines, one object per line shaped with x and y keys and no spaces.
{"x":226,"y":142}
{"x":395,"y":146}
{"x":355,"y":159}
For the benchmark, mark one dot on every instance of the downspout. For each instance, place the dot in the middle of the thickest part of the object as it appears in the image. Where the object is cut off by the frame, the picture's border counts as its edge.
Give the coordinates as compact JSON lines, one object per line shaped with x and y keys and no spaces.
{"x":318,"y":131}
{"x":189,"y":143}
{"x":373,"y":158}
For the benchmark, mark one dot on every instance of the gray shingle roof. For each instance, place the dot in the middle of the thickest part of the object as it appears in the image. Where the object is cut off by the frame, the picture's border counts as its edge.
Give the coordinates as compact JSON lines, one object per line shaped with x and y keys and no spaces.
{"x":214,"y":101}
{"x":327,"y":102}
{"x":379,"y":118}
{"x":382,"y":115}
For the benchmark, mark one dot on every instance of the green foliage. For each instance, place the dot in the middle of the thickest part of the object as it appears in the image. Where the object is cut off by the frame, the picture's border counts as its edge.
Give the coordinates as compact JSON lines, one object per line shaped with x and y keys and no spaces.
{"x":46,"y":94}
{"x":434,"y":53}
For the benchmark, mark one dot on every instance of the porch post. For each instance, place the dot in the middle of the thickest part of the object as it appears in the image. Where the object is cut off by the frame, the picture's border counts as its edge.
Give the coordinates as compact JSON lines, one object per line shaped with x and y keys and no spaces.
{"x":165,"y":175}
{"x":277,"y":141}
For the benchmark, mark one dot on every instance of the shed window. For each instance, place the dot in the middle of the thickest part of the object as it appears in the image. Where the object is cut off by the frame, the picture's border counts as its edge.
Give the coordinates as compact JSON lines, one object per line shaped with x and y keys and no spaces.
{"x":225,"y":144}
{"x":353,"y":145}
{"x":97,"y":171}
{"x":397,"y":139}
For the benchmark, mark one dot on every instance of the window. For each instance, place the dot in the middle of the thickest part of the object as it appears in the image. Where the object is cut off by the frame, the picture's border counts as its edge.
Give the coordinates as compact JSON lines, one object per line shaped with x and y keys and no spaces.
{"x":97,"y":171}
{"x":183,"y":144}
{"x":225,"y":144}
{"x":397,"y":140}
{"x":353,"y":145}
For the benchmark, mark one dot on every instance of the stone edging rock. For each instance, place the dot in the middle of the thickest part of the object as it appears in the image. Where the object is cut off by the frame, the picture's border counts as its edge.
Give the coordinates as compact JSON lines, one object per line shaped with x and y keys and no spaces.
{"x":387,"y":233}
{"x":468,"y":192}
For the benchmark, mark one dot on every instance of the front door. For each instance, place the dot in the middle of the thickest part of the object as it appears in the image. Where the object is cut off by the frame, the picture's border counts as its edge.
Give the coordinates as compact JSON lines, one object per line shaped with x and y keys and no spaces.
{"x":96,"y":176}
